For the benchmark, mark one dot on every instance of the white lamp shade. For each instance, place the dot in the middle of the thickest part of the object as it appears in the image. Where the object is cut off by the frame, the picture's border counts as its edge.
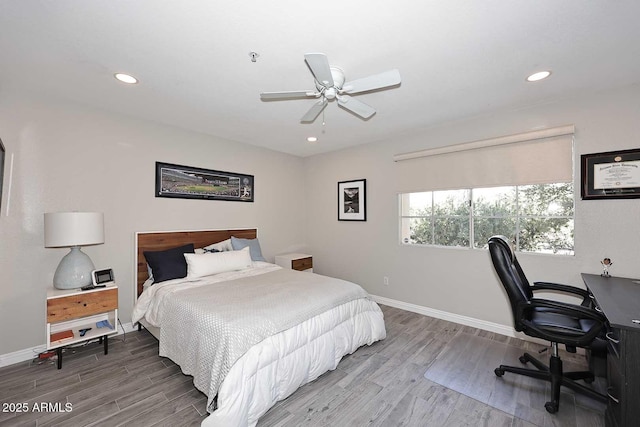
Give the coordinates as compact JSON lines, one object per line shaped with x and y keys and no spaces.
{"x":65,"y":229}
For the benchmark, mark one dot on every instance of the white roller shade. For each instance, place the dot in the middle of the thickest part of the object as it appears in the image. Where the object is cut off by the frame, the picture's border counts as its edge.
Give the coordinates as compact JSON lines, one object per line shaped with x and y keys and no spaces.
{"x":530,"y":158}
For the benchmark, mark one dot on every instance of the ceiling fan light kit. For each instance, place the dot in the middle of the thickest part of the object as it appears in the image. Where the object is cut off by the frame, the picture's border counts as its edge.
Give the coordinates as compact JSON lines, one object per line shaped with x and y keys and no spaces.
{"x":330,"y":84}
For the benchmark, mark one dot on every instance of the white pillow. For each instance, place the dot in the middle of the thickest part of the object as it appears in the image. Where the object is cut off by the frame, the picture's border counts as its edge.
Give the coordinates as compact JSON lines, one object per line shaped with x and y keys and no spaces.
{"x":223,"y":246}
{"x":200,"y":265}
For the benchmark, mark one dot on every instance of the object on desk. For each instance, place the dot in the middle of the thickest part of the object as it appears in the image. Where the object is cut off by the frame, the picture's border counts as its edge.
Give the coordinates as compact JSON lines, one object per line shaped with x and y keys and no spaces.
{"x":84,"y":331}
{"x":62,"y":336}
{"x":103,"y":324}
{"x":606,"y":263}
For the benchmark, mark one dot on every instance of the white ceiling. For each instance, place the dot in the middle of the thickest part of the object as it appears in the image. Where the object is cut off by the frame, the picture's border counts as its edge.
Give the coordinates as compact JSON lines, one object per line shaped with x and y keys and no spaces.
{"x":457,"y":58}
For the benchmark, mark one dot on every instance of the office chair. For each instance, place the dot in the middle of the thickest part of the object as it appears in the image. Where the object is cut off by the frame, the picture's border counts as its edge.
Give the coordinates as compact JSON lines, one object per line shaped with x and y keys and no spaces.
{"x":554,"y":321}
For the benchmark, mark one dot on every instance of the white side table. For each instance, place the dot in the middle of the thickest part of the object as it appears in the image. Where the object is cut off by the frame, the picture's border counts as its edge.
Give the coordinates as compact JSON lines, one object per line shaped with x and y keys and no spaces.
{"x":296,"y":261}
{"x":75,"y":310}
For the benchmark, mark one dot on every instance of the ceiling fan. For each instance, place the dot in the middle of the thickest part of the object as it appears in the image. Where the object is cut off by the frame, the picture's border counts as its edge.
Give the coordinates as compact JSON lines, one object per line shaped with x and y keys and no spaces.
{"x":330,"y":84}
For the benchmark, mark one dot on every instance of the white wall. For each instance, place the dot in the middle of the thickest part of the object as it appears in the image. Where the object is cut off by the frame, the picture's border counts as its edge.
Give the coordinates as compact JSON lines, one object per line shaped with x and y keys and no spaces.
{"x":462,"y":281}
{"x":67,"y":157}
{"x":70,"y":158}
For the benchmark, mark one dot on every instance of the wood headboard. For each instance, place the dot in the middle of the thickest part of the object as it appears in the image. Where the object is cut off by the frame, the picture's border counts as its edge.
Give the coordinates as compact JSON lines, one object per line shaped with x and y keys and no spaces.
{"x":161,"y":240}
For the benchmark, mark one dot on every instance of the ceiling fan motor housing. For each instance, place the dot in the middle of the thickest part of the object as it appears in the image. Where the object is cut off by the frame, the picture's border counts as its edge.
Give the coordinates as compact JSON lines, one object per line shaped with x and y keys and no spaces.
{"x":338,"y":80}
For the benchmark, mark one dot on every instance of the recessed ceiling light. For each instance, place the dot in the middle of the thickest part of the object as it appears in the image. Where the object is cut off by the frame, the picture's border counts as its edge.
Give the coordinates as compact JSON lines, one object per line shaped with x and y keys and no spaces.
{"x":126,"y":78}
{"x":312,"y":139}
{"x":538,"y":76}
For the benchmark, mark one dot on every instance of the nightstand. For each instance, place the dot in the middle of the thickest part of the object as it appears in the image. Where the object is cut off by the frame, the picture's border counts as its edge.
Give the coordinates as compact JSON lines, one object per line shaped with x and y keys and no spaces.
{"x":70,"y":311}
{"x":300,"y":262}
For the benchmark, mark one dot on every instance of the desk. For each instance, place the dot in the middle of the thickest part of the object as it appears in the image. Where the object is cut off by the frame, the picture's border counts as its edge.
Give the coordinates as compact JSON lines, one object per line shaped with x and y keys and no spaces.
{"x":619,"y":300}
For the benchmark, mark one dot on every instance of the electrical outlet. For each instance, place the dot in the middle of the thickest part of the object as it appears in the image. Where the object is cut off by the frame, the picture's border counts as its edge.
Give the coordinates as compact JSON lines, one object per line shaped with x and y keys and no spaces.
{"x":385,"y":281}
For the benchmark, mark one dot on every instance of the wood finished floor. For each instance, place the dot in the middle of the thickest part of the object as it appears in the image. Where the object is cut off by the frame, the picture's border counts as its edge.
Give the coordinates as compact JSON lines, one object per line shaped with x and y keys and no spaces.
{"x":381,"y":385}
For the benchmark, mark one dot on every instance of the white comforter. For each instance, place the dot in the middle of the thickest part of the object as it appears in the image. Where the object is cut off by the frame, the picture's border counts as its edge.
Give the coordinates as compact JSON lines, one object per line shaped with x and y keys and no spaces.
{"x":289,"y":355}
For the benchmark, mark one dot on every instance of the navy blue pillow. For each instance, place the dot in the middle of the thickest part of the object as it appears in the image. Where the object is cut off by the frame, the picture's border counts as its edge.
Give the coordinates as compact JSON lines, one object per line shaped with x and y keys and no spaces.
{"x":169,"y":264}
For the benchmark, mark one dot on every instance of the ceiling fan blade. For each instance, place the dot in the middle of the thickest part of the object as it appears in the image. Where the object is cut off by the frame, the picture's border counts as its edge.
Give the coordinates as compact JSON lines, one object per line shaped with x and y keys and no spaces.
{"x":288,"y":95}
{"x":314,"y":111}
{"x":377,"y":81}
{"x":319,"y":65}
{"x":356,"y":107}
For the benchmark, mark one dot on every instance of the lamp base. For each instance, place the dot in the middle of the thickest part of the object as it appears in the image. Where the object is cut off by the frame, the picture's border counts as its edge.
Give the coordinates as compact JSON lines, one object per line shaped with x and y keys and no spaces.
{"x":74,"y":270}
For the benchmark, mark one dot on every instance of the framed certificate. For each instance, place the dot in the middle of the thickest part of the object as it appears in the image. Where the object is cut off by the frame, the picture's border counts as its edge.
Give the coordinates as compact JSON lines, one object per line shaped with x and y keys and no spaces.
{"x":611,"y":175}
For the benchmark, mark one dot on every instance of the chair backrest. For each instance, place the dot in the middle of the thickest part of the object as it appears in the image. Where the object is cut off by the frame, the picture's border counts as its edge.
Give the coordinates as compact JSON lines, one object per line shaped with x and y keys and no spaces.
{"x":510,"y":274}
{"x":526,"y":286}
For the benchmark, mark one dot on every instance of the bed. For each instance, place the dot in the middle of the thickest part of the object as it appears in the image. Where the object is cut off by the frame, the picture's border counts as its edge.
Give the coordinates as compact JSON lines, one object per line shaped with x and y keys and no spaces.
{"x":253,"y":335}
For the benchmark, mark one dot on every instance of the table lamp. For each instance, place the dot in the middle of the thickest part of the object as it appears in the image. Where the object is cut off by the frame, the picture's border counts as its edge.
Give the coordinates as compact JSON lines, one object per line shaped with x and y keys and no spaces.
{"x":72,"y":230}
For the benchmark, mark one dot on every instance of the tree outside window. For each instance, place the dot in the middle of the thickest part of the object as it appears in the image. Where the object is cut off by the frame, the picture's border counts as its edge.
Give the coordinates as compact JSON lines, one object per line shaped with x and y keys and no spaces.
{"x":538,"y":218}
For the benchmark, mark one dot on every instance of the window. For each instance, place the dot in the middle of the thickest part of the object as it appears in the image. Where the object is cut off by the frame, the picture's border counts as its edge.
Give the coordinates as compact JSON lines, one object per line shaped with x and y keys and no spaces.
{"x":539,"y":217}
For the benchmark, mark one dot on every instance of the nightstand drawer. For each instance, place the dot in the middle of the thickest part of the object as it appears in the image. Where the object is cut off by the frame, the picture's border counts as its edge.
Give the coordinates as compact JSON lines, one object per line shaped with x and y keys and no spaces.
{"x":301,"y":264}
{"x":296,"y":261}
{"x":81,"y":305}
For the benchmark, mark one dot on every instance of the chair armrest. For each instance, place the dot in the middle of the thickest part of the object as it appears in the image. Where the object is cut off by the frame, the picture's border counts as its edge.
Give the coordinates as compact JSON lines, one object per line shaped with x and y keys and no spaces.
{"x":549,"y":286}
{"x":578,"y":311}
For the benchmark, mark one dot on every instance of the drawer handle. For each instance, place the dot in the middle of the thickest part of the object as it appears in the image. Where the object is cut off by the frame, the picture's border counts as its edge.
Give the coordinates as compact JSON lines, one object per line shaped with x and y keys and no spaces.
{"x":611,"y":397}
{"x":592,"y":297}
{"x":610,"y":338}
{"x":598,"y":309}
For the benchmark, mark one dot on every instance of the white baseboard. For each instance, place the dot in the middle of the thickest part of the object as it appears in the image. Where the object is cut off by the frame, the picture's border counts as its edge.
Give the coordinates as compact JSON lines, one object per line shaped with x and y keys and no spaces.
{"x":20,"y":355}
{"x":129,"y":327}
{"x":497,"y":328}
{"x":30,"y":353}
{"x":451,"y":317}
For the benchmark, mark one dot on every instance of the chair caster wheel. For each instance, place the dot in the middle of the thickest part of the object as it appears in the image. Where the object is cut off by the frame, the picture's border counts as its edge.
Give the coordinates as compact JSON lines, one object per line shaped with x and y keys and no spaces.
{"x":523,"y":360}
{"x":499,"y":372}
{"x":551,"y":407}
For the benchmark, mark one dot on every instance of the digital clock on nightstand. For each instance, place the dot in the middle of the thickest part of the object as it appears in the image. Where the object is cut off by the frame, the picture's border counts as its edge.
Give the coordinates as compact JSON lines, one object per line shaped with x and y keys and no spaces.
{"x":102,"y":277}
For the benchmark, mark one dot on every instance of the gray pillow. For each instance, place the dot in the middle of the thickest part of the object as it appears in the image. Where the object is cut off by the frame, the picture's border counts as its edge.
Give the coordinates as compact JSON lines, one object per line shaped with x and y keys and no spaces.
{"x":254,"y":247}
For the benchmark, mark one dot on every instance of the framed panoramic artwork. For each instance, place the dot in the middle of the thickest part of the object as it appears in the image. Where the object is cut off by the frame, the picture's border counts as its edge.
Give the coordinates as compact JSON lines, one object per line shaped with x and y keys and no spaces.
{"x":185,"y":182}
{"x":610,"y":175}
{"x":352,"y":204}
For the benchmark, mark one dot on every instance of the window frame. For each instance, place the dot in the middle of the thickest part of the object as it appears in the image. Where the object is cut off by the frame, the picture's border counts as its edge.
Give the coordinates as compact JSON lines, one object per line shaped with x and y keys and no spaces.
{"x":518,"y":218}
